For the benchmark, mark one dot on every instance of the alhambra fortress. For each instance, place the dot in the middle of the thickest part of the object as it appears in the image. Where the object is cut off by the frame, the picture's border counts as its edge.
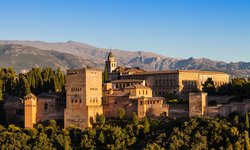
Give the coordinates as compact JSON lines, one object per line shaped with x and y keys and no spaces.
{"x":132,"y":89}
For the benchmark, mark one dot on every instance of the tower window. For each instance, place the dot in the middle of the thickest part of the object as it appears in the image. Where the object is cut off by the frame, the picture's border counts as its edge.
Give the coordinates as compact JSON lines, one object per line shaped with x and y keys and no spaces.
{"x":45,"y":106}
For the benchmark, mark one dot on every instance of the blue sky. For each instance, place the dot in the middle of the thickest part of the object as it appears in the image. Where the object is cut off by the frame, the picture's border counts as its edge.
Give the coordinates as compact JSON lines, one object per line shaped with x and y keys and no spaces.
{"x":215,"y":29}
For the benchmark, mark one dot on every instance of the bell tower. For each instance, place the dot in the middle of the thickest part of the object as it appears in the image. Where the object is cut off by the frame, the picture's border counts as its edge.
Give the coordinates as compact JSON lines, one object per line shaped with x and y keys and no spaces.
{"x":110,"y":62}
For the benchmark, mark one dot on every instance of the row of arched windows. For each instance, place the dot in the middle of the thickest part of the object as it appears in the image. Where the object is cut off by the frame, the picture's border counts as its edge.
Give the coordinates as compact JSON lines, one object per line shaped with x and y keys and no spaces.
{"x":150,"y":102}
{"x":143,"y":92}
{"x":76,"y":89}
{"x":76,"y":101}
{"x":166,"y":82}
{"x":94,"y":100}
{"x":112,"y":64}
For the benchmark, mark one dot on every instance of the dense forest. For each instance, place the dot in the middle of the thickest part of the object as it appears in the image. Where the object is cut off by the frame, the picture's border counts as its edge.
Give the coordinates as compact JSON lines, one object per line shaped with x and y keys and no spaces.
{"x":37,"y":81}
{"x":120,"y":133}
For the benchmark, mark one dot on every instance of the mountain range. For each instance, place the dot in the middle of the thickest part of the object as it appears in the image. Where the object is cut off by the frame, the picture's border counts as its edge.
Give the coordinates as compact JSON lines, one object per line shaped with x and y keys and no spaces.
{"x":23,"y":55}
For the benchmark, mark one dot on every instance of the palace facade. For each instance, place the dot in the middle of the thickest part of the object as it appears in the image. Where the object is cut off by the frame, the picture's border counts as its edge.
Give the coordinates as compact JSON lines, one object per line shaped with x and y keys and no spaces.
{"x":180,"y":82}
{"x":133,"y":89}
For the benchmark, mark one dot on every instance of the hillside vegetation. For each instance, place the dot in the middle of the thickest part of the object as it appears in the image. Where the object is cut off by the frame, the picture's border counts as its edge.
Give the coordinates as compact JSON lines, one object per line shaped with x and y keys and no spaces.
{"x":120,"y":133}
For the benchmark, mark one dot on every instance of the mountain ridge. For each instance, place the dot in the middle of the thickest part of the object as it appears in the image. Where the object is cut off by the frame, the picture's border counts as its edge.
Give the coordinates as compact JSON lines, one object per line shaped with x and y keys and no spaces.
{"x":25,"y":57}
{"x":145,"y":60}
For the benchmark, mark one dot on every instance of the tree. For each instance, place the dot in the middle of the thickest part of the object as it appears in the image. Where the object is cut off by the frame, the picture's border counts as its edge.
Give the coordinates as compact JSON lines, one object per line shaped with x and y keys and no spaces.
{"x":1,"y":89}
{"x":247,"y":120}
{"x":66,"y":137}
{"x":105,"y":75}
{"x":42,"y":142}
{"x":224,"y":89}
{"x":2,"y":111}
{"x":101,"y":138}
{"x":146,"y":126}
{"x":31,"y":132}
{"x":236,"y":120}
{"x":52,"y":123}
{"x":247,"y":140}
{"x":101,"y":119}
{"x":135,"y":119}
{"x":87,"y":143}
{"x":23,"y":85}
{"x":121,"y":113}
{"x":54,"y":84}
{"x":209,"y":86}
{"x":66,"y":143}
{"x":10,"y":82}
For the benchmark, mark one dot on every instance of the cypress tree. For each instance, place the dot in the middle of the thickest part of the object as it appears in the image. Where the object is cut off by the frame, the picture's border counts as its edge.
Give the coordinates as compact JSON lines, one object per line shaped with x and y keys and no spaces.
{"x":55,"y":84}
{"x":1,"y":89}
{"x":2,"y":112}
{"x":23,"y":85}
{"x":247,"y":140}
{"x":247,"y":121}
{"x":105,"y":75}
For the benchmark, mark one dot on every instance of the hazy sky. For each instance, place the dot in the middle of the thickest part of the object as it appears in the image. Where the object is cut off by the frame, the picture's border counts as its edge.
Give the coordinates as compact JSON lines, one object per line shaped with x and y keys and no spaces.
{"x":215,"y":29}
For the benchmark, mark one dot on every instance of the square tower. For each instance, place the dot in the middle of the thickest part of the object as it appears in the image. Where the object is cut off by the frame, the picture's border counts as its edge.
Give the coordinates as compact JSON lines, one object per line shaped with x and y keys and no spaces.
{"x":83,"y":96}
{"x":197,"y":104}
{"x":30,"y":110}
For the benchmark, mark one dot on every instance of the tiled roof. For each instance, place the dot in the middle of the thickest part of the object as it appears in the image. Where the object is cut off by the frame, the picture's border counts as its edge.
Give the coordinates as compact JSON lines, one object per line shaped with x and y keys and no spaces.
{"x":11,"y":98}
{"x":176,"y":72}
{"x":139,"y":86}
{"x":30,"y":95}
{"x":126,"y":80}
{"x":121,"y":94}
{"x":126,"y":70}
{"x":49,"y":95}
{"x":110,"y":54}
